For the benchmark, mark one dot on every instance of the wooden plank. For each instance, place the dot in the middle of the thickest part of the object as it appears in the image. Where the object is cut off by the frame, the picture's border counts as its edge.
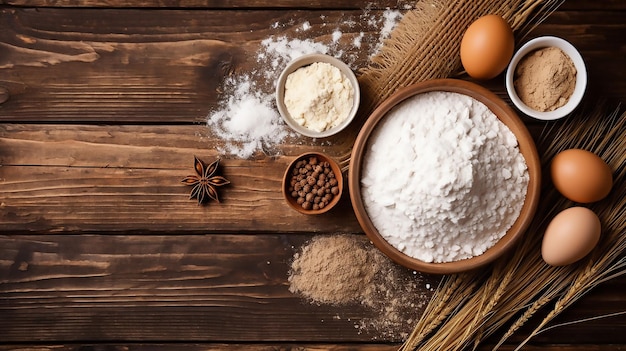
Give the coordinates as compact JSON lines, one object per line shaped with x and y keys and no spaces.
{"x":238,"y":4}
{"x":128,"y":66}
{"x":167,"y":288}
{"x":127,"y":179}
{"x":184,"y":289}
{"x":133,"y":66}
{"x":616,"y":5}
{"x":204,"y":288}
{"x":242,"y":4}
{"x":282,"y":347}
{"x":211,"y":347}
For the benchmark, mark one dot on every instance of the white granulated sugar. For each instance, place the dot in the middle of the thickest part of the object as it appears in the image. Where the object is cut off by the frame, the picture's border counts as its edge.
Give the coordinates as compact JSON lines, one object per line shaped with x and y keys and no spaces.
{"x":443,"y":178}
{"x":306,"y":25}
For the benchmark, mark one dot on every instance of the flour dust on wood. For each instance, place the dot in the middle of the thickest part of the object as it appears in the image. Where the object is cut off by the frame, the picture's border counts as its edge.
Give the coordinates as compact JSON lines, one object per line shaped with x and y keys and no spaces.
{"x":246,"y":120}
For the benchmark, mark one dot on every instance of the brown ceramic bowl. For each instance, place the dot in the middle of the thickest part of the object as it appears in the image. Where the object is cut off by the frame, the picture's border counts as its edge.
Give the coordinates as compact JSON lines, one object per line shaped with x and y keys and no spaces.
{"x":287,"y":179}
{"x":526,"y":146}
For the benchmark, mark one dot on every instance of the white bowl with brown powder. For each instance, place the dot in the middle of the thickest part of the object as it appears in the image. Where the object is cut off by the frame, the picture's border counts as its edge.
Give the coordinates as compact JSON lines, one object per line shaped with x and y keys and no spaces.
{"x":546,"y":78}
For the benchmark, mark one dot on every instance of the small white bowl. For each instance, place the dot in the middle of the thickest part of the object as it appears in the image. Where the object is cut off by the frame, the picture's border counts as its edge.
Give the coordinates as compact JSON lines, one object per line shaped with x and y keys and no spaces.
{"x":306,"y":60}
{"x":581,"y":77}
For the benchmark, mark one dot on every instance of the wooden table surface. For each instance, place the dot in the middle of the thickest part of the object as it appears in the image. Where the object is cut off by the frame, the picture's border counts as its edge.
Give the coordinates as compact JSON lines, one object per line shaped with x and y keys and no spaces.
{"x":103,"y":105}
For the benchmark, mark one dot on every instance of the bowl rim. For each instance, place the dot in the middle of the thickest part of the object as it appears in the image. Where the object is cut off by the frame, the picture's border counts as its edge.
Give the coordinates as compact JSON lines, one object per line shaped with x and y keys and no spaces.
{"x":338,"y":175}
{"x":526,"y":145}
{"x":306,"y":60}
{"x":581,"y":77}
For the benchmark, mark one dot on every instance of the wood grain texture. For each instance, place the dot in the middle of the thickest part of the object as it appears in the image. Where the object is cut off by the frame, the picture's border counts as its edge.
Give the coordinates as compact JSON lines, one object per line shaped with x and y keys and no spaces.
{"x":103,"y":104}
{"x":279,"y":347}
{"x":216,"y":346}
{"x":121,"y":66}
{"x":69,"y":178}
{"x":126,"y":179}
{"x":213,"y":4}
{"x":167,"y":288}
{"x":197,"y":288}
{"x":243,"y":4}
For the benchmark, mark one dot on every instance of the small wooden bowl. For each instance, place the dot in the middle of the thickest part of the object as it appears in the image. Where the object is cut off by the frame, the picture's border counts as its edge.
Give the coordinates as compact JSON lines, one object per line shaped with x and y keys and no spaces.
{"x":526,"y":146}
{"x":287,"y":178}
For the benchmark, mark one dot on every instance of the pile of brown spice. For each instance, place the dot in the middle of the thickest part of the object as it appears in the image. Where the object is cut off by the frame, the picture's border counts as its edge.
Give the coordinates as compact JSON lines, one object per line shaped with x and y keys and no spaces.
{"x":545,"y":79}
{"x":346,"y":269}
{"x":313,"y":183}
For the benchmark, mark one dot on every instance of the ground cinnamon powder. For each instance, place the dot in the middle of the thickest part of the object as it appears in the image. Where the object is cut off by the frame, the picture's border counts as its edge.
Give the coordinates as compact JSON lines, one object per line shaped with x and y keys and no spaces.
{"x":347,"y":269}
{"x":545,"y":79}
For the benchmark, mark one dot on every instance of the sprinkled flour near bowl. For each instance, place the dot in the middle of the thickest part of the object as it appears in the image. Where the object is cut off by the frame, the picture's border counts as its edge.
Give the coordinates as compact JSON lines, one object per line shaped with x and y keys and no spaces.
{"x":248,"y":122}
{"x":443,"y":178}
{"x":246,"y":119}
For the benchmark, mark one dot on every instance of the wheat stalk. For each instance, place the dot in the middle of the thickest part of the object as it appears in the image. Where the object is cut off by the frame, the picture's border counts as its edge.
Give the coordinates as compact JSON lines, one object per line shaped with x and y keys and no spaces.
{"x":438,"y":310}
{"x":587,"y":280}
{"x":531,"y":284}
{"x":608,"y":260}
{"x":468,"y":307}
{"x":448,"y":295}
{"x":502,"y":283}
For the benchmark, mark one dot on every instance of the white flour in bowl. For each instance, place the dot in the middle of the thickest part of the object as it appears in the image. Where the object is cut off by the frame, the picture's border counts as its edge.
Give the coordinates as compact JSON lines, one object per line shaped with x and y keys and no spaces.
{"x":443,"y":178}
{"x":318,"y":96}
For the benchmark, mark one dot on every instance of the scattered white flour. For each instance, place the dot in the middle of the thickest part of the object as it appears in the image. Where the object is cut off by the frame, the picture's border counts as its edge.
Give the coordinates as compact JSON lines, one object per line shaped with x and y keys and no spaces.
{"x":246,"y":119}
{"x":318,"y":96}
{"x":390,"y":19}
{"x":358,"y":40}
{"x":278,"y":51}
{"x":443,"y":179}
{"x":249,"y":122}
{"x":336,"y":36}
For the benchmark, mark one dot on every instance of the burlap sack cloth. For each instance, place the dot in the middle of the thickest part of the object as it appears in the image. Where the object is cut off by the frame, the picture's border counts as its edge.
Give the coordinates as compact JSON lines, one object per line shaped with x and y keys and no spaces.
{"x":426,"y":42}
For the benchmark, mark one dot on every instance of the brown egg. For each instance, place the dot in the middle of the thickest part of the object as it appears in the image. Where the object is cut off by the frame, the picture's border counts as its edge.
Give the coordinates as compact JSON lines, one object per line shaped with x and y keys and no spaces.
{"x":570,"y":236}
{"x":581,"y":176}
{"x":487,"y":47}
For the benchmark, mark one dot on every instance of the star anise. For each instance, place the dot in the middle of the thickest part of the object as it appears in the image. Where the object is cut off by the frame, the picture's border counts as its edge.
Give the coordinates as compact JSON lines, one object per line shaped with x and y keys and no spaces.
{"x":205,"y":182}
